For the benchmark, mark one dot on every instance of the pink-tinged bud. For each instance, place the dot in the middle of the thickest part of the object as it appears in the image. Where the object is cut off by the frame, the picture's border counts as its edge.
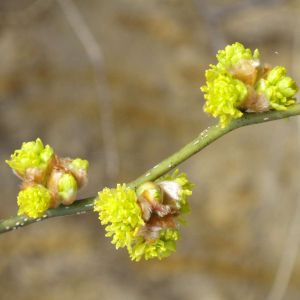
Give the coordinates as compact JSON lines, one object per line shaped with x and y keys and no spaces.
{"x":78,"y":167}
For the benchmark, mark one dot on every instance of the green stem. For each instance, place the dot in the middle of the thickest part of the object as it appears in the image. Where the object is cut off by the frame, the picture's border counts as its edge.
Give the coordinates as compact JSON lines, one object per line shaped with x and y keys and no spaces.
{"x":205,"y":138}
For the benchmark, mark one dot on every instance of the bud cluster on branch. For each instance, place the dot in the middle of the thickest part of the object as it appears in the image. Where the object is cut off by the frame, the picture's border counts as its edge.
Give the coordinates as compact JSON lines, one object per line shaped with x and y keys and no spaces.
{"x":240,"y":83}
{"x":145,"y":221}
{"x":47,"y":180}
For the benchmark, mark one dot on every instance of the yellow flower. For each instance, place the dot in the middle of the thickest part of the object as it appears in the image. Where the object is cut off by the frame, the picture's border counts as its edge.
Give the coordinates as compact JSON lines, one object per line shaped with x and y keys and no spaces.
{"x":234,"y":54}
{"x":145,"y":235}
{"x":31,"y":155}
{"x":160,"y":247}
{"x":224,"y":95}
{"x":119,"y":210}
{"x":278,"y":88}
{"x":34,"y":201}
{"x":238,"y":83}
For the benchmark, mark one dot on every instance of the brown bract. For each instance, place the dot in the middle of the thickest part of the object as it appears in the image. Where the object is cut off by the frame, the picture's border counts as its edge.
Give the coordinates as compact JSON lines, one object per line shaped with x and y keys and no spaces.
{"x":246,"y":71}
{"x":255,"y":102}
{"x":158,"y":214}
{"x":249,"y":72}
{"x":150,"y":231}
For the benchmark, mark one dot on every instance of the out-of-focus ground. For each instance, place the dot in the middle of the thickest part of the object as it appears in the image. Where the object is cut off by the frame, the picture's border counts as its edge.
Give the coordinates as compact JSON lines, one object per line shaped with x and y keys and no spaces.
{"x":155,"y":53}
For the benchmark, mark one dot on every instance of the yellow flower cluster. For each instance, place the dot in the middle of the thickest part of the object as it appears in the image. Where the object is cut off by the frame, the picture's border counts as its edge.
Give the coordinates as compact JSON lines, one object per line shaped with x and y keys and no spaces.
{"x":34,"y":201}
{"x":145,"y":221}
{"x":278,"y":88}
{"x":118,"y":209}
{"x":160,"y":247}
{"x":47,"y":180}
{"x":238,"y":83}
{"x":31,"y":155}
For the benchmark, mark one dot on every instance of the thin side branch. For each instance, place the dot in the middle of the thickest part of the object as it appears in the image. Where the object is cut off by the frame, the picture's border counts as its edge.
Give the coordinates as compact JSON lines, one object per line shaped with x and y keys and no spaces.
{"x":205,"y":138}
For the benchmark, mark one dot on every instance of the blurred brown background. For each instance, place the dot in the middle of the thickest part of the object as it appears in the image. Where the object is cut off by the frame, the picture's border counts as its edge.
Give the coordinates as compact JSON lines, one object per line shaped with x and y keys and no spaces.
{"x":117,"y":82}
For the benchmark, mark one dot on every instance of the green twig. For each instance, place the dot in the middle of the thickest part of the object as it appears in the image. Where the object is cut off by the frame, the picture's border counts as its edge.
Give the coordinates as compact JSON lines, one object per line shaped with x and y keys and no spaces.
{"x":205,"y":138}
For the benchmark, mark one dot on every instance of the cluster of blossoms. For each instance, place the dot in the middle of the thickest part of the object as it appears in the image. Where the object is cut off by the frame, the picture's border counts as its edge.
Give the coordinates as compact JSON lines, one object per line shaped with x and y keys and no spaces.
{"x":47,"y":180}
{"x":145,"y":220}
{"x":239,"y":83}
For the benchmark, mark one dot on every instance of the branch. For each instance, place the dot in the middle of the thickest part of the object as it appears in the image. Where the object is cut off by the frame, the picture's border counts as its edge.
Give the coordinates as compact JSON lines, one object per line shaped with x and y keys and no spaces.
{"x":205,"y":138}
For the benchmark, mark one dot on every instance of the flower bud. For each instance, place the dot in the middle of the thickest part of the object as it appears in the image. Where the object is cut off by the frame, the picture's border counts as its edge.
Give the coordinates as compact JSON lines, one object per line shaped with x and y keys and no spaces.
{"x":79,"y":168}
{"x":287,"y":87}
{"x":278,"y":88}
{"x":67,"y":189}
{"x":150,"y":191}
{"x":276,"y":74}
{"x":151,"y":200}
